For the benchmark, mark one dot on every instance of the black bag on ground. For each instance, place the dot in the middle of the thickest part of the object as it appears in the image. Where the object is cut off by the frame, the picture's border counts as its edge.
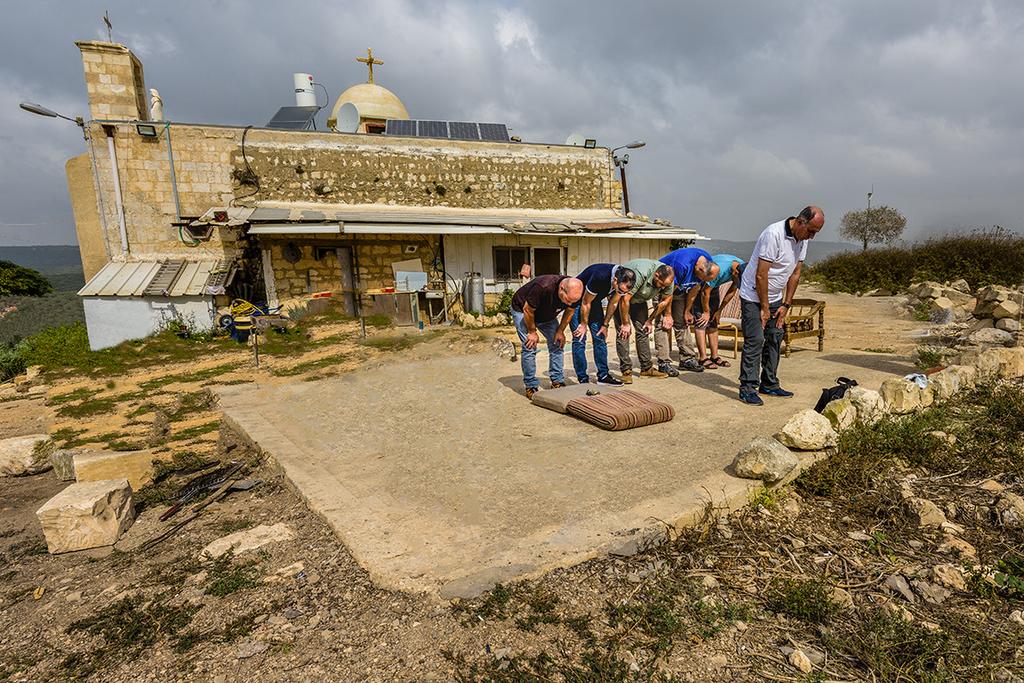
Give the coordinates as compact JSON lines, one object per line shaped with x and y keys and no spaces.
{"x":832,"y":393}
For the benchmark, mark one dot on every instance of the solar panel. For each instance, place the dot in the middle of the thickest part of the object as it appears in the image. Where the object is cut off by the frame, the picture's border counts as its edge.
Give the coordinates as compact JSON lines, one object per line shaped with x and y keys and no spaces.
{"x":432,"y":129}
{"x":463,"y":130}
{"x":494,"y":131}
{"x":293,"y":118}
{"x":400,"y":127}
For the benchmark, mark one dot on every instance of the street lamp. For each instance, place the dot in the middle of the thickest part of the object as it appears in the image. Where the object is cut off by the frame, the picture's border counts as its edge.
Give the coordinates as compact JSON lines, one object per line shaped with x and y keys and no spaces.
{"x":621,"y":164}
{"x":43,"y":111}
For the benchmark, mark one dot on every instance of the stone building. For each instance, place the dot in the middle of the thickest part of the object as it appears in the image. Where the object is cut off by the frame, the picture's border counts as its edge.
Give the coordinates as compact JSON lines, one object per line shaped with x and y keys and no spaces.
{"x":176,"y":219}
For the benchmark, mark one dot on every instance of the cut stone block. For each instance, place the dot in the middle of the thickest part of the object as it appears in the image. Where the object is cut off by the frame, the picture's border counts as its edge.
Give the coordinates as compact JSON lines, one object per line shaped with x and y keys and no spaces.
{"x":1008,"y":325}
{"x":766,"y":459}
{"x":991,"y":337}
{"x":24,"y":455}
{"x":63,"y":462}
{"x":869,"y":404}
{"x":841,"y":413}
{"x":135,"y":466}
{"x":250,"y":539}
{"x":87,"y":515}
{"x":944,"y":383}
{"x":1006,"y":309}
{"x":808,"y":431}
{"x":1000,"y":363}
{"x":901,"y":396}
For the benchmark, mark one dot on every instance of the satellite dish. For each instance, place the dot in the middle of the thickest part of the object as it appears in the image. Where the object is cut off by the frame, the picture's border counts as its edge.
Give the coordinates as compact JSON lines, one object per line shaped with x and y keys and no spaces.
{"x":348,"y":118}
{"x":575,"y":140}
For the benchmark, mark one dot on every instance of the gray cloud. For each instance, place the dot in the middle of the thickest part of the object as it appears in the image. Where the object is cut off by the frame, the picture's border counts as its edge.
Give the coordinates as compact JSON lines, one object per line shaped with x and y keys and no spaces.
{"x":750,"y":110}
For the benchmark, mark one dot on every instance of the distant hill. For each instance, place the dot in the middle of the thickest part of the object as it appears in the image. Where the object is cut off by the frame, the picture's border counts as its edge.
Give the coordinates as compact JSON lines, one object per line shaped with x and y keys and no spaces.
{"x":61,"y":264}
{"x":817,"y":250}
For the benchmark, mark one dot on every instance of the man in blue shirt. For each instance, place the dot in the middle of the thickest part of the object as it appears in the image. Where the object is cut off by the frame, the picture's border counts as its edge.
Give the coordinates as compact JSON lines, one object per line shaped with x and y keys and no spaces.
{"x":600,"y":281}
{"x":707,"y":310}
{"x":692,"y":267}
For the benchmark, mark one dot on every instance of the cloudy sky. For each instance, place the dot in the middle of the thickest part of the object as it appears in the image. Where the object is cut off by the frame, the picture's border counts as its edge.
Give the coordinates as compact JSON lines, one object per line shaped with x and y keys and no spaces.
{"x":750,"y":109}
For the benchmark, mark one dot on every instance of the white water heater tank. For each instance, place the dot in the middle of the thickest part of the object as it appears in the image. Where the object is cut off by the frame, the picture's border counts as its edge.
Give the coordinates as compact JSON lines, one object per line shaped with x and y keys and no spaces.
{"x":305,"y":95}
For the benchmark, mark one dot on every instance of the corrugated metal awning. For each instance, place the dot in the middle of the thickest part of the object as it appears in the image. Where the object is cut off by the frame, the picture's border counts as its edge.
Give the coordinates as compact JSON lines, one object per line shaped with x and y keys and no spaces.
{"x":154,"y":278}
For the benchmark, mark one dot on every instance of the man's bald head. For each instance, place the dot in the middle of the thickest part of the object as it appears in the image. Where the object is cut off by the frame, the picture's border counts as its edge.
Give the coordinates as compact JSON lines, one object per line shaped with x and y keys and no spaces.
{"x":570,"y":290}
{"x":808,"y":222}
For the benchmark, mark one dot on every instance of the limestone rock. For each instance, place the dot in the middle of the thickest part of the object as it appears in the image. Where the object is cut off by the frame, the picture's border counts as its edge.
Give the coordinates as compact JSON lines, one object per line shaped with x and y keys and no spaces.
{"x":766,"y":459}
{"x":991,"y":485}
{"x":808,"y":431}
{"x":63,"y":463}
{"x":841,"y":413}
{"x":951,"y":545}
{"x":24,"y":455}
{"x":868,"y":402}
{"x":798,"y":660}
{"x":944,"y":383}
{"x":249,"y":539}
{"x":1005,"y":309}
{"x":135,"y":466}
{"x":925,"y":512}
{"x":1000,"y":363}
{"x":931,"y":592}
{"x":1017,"y":617}
{"x":901,"y":396}
{"x":898,"y":584}
{"x":1009,"y":510}
{"x":991,"y":336}
{"x":961,"y":285}
{"x":928,"y":290}
{"x":941,"y":304}
{"x":87,"y":515}
{"x":1010,"y":325}
{"x":949,"y":576}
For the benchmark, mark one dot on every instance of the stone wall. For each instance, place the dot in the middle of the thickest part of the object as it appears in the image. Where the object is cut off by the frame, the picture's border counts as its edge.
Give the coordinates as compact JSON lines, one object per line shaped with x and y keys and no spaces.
{"x":373,"y":258}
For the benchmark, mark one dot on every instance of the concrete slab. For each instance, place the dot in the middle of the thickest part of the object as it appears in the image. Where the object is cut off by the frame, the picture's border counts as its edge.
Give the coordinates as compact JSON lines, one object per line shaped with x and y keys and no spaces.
{"x":440,"y":477}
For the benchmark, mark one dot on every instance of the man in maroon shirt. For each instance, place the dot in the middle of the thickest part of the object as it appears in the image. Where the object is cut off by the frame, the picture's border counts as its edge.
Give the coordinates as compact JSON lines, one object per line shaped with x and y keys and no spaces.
{"x":535,"y":309}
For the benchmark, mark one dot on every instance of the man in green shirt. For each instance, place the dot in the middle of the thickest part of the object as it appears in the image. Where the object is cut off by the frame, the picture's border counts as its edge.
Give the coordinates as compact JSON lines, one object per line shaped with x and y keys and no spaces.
{"x":654,"y":281}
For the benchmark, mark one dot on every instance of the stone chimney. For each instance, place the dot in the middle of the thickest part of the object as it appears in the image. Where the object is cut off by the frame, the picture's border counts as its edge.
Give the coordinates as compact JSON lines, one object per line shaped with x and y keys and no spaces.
{"x":114,"y":81}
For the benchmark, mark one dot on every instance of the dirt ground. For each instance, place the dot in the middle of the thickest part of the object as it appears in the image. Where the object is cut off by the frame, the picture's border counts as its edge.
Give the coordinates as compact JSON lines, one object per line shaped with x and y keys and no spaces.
{"x":303,"y":609}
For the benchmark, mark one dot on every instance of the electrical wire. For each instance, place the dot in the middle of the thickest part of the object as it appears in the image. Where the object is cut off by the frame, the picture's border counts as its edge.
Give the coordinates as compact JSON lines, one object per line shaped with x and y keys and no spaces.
{"x":327,"y":101}
{"x":248,"y":168}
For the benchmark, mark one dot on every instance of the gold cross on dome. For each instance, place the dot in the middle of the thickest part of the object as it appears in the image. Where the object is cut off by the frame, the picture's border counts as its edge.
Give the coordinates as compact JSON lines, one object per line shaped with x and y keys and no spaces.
{"x":369,"y":61}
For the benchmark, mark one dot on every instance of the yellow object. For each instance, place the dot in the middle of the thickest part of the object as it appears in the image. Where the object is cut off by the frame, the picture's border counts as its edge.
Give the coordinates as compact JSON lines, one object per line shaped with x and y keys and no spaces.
{"x":369,"y":61}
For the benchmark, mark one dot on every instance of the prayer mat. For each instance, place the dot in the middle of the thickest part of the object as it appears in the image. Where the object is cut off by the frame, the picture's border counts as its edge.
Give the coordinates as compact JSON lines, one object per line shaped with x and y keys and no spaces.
{"x":558,"y":399}
{"x":618,"y":410}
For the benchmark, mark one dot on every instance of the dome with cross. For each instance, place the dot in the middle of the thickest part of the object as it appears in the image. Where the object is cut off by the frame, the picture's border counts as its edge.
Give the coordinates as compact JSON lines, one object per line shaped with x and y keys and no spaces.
{"x":375,"y":104}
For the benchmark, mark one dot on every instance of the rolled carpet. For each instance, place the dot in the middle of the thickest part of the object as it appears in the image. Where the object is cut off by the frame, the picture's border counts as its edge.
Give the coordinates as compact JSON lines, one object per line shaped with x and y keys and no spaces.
{"x":619,"y":410}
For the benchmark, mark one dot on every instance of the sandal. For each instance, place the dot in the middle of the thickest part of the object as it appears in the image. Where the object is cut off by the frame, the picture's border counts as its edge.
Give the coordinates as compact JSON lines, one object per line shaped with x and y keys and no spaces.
{"x":709,"y":364}
{"x":721,"y":362}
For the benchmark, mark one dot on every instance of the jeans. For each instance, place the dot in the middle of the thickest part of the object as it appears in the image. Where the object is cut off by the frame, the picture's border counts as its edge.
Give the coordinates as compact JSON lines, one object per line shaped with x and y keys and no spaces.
{"x":579,"y":346}
{"x":638,"y":313}
{"x":761,"y":347}
{"x":684,"y":338}
{"x":528,"y":358}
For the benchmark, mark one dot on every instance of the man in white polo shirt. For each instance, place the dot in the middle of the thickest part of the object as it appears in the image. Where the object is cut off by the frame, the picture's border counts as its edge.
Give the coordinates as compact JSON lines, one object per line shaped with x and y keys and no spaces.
{"x":766,"y":294}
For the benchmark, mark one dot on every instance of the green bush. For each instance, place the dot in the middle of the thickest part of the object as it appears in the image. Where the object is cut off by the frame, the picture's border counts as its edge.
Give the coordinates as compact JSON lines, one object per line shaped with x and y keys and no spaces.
{"x":982,"y":258}
{"x":17,"y":280}
{"x":504,"y":304}
{"x":58,"y":347}
{"x":11,"y":362}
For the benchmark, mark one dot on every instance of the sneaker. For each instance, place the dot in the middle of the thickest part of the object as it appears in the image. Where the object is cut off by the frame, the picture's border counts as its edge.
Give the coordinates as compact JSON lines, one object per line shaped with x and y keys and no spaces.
{"x":751,"y":398}
{"x":627,"y":377}
{"x":691,"y":364}
{"x":653,"y":372}
{"x":610,"y":381}
{"x":530,"y":392}
{"x":777,"y":391}
{"x":557,"y":385}
{"x":668,"y":369}
{"x":583,"y":380}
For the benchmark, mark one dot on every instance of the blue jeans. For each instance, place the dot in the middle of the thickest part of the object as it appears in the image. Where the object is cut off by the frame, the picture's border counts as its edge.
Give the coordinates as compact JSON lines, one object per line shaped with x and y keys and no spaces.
{"x":579,"y":346}
{"x":528,"y":357}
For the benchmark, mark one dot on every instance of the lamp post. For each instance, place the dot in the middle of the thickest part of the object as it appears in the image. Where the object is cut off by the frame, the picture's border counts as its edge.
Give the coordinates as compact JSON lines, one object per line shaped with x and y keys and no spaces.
{"x":621,"y":165}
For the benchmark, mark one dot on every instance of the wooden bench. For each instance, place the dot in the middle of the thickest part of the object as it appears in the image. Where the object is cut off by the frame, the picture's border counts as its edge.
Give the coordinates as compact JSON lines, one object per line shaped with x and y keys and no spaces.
{"x":799,"y":324}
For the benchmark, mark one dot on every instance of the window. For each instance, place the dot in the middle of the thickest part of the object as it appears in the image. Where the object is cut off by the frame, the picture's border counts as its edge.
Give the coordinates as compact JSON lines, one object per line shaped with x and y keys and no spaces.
{"x":508,"y":261}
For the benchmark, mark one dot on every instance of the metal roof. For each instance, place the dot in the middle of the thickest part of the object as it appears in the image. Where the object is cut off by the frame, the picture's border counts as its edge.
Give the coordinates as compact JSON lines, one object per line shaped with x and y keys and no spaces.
{"x":387,"y":219}
{"x":153,"y":278}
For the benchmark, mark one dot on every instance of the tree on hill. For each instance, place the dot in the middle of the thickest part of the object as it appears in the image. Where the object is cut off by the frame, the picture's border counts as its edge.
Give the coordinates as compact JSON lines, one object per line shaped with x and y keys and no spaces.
{"x":880,"y":224}
{"x":17,"y":280}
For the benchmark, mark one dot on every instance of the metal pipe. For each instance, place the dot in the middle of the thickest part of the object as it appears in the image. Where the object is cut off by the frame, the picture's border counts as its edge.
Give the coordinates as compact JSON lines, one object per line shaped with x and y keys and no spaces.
{"x":625,"y":190}
{"x":117,"y":192}
{"x":174,"y":180}
{"x":98,"y":191}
